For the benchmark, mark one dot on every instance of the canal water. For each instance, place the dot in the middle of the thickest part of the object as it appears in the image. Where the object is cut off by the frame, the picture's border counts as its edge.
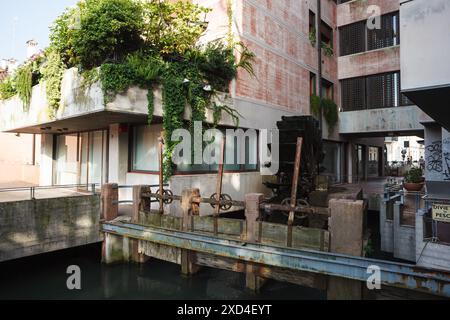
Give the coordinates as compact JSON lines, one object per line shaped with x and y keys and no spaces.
{"x":45,"y":277}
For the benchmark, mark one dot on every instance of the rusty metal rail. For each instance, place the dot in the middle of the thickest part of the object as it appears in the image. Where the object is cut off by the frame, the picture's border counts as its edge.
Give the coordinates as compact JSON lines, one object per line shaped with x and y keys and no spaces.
{"x":241,"y":204}
{"x":331,"y":264}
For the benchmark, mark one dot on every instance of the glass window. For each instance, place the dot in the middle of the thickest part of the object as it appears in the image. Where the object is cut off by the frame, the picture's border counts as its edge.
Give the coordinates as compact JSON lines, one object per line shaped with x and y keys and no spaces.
{"x":331,"y":165}
{"x":145,"y":155}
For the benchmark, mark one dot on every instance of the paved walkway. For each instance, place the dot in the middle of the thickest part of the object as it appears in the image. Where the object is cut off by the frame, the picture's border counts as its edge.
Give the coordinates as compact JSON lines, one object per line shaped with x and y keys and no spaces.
{"x":21,"y":195}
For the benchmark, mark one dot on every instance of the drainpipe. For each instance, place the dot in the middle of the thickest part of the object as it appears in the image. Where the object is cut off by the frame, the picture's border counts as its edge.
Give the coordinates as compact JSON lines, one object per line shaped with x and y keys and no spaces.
{"x":319,"y":59}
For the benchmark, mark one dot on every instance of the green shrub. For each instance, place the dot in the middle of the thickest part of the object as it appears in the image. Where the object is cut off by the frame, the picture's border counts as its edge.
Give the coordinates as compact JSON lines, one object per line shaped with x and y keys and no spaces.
{"x":414,"y":175}
{"x":52,"y":73}
{"x":7,"y":88}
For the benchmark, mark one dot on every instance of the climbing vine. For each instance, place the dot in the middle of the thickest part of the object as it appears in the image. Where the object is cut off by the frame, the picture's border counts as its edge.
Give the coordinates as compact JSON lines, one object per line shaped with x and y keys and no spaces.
{"x":124,"y":43}
{"x":329,"y":110}
{"x":52,"y":73}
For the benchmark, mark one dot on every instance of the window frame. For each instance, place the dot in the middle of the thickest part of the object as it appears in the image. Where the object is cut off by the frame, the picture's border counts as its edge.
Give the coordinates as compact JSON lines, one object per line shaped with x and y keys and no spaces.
{"x":176,"y":172}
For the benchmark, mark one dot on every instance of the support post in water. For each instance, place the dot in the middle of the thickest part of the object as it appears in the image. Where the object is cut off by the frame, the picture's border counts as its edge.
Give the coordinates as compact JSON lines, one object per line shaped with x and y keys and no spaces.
{"x":252,"y":215}
{"x":294,"y":189}
{"x":109,"y":199}
{"x":189,"y":208}
{"x":219,"y":186}
{"x":139,"y":204}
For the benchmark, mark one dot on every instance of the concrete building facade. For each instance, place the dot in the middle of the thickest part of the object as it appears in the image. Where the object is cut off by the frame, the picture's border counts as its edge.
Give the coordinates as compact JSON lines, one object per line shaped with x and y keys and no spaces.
{"x":93,"y":142}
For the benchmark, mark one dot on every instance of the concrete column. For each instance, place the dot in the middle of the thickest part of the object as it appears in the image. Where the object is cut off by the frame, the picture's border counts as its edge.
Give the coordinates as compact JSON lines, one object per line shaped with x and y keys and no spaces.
{"x":118,"y":156}
{"x":346,"y":230}
{"x":116,"y":249}
{"x":188,"y":266}
{"x":139,"y":204}
{"x":46,"y":163}
{"x":252,"y":214}
{"x":109,"y":198}
{"x":350,"y":162}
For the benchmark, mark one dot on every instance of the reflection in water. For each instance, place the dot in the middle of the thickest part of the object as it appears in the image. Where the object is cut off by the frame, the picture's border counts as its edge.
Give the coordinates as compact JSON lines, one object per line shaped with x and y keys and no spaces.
{"x":44,"y":277}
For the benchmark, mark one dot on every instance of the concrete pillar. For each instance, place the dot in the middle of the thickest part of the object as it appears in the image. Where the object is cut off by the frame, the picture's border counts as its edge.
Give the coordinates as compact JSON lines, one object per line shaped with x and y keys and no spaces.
{"x":347,"y":234}
{"x":118,"y":156}
{"x":350,"y":162}
{"x":46,"y":163}
{"x":116,"y":249}
{"x":188,"y":266}
{"x":139,"y":204}
{"x":252,"y":214}
{"x":109,"y":198}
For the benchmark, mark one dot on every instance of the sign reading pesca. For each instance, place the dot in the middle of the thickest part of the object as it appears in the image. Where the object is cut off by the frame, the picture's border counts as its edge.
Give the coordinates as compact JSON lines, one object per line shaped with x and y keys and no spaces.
{"x":441,"y":212}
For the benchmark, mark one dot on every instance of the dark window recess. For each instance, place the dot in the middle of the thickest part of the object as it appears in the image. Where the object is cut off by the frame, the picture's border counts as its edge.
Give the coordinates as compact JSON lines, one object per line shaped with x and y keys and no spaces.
{"x":387,"y":36}
{"x":381,"y":91}
{"x":326,"y":34}
{"x":356,"y":37}
{"x":353,"y":38}
{"x":373,"y":92}
{"x":353,"y":94}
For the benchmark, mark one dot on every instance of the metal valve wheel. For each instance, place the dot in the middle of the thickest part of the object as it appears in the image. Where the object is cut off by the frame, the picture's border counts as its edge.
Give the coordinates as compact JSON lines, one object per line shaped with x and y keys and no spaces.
{"x":166,"y":193}
{"x":223,"y":197}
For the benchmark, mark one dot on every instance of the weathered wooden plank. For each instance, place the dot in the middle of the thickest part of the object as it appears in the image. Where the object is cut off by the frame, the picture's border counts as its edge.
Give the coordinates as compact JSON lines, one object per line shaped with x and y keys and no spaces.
{"x":171,"y":222}
{"x":159,"y":251}
{"x":150,"y":219}
{"x":306,"y":279}
{"x":228,"y":227}
{"x":309,"y":238}
{"x":272,"y":233}
{"x":222,"y":263}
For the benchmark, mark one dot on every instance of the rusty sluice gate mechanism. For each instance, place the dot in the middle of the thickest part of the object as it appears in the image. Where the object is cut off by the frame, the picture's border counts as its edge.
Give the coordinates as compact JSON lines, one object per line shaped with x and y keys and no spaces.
{"x":299,"y":160}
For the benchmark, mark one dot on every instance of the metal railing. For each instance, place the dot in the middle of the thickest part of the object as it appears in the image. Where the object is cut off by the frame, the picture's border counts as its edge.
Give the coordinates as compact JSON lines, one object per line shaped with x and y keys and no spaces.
{"x":86,"y":188}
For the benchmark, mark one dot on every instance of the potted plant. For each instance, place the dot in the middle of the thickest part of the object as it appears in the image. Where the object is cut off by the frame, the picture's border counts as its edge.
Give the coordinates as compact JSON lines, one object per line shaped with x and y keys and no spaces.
{"x":413,"y":179}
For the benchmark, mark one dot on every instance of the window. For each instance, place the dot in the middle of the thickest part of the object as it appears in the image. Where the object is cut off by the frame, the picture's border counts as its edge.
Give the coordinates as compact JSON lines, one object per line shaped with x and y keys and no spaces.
{"x":312,"y":84}
{"x":145,"y":154}
{"x":353,"y":38}
{"x":387,"y":36}
{"x":327,"y":89}
{"x":356,"y":37}
{"x":373,"y":92}
{"x":326,"y":34}
{"x":312,"y":21}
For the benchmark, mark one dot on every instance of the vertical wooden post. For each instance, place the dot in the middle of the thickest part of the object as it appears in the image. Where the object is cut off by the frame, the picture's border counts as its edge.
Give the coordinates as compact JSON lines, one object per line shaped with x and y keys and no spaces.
{"x":110,"y":198}
{"x":294,"y":189}
{"x":161,"y":174}
{"x":252,"y":214}
{"x":139,"y":204}
{"x":219,"y":185}
{"x":346,"y":230}
{"x":188,"y":266}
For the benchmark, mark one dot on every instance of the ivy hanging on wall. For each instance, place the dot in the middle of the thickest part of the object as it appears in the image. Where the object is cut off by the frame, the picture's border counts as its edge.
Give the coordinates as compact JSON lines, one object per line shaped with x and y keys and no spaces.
{"x":147,"y":44}
{"x":329,"y":109}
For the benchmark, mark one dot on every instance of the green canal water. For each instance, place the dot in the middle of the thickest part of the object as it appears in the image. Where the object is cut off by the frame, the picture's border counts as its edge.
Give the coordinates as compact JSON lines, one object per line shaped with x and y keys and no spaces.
{"x":44,"y":277}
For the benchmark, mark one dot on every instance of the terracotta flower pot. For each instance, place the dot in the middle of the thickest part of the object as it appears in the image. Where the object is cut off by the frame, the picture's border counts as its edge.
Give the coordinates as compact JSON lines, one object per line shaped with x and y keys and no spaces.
{"x":413,"y":186}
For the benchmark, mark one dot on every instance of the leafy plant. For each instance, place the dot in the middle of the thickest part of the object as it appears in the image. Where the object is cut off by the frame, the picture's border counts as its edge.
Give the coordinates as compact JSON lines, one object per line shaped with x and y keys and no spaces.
{"x":330,"y":113}
{"x":329,"y":110}
{"x":313,"y":37}
{"x":327,"y":49}
{"x":7,"y":88}
{"x":52,"y":72}
{"x":23,"y":79}
{"x":315,"y":105}
{"x":414,"y":175}
{"x":172,"y":28}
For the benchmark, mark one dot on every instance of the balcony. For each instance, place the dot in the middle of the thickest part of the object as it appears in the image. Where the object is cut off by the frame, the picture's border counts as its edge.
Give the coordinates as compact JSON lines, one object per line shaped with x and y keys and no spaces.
{"x":84,"y":109}
{"x":382,"y":122}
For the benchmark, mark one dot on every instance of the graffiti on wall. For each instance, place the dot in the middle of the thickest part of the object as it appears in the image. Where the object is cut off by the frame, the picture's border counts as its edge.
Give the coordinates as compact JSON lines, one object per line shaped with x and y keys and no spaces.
{"x":446,"y":159}
{"x":434,"y":157}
